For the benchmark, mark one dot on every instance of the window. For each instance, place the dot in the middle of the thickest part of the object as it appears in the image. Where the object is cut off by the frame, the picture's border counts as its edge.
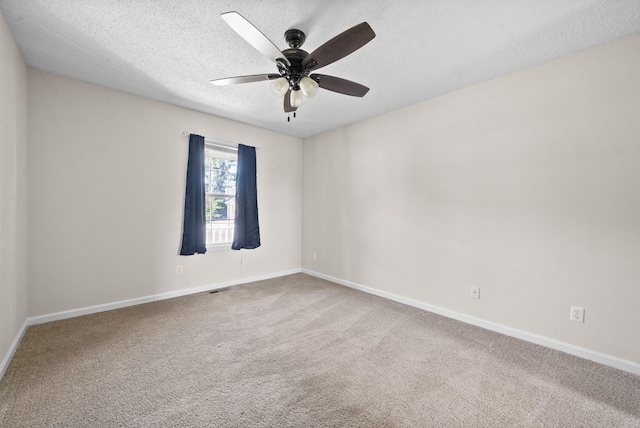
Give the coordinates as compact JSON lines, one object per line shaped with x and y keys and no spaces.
{"x":220,"y":165}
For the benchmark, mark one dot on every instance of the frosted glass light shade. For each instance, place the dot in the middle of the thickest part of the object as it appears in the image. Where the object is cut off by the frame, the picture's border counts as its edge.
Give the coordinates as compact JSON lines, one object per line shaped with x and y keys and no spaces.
{"x":308,"y":86}
{"x":297,"y":98}
{"x":280,"y":86}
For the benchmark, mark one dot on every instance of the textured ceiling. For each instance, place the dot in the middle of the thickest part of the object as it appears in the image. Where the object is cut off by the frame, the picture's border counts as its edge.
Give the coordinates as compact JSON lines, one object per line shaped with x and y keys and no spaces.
{"x":169,"y":50}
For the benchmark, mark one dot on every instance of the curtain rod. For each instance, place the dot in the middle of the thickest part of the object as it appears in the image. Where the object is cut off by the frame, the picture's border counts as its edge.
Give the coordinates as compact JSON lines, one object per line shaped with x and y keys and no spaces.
{"x":218,"y":142}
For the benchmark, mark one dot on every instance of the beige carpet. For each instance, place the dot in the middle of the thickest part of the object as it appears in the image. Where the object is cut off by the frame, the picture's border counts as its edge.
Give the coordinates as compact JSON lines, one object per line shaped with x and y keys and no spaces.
{"x":299,"y":352}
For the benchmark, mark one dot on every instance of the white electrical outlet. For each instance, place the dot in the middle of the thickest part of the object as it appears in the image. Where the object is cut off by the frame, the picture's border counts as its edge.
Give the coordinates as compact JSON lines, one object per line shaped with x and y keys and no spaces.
{"x":179,"y":270}
{"x":577,"y":314}
{"x":475,"y":292}
{"x":313,"y":255}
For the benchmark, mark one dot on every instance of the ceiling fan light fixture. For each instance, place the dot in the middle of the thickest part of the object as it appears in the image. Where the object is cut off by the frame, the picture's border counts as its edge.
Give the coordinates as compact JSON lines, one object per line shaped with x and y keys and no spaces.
{"x":308,"y":86}
{"x":297,"y":98}
{"x":280,"y":86}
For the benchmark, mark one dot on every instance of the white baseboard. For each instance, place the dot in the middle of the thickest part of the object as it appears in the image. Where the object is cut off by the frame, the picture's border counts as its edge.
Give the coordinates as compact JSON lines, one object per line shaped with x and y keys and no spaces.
{"x":156,"y":297}
{"x":598,"y":357}
{"x":12,"y":349}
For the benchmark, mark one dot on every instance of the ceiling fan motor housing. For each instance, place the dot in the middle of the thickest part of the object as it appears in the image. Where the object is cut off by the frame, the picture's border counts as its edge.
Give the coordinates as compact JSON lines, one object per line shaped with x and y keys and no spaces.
{"x":295,"y":56}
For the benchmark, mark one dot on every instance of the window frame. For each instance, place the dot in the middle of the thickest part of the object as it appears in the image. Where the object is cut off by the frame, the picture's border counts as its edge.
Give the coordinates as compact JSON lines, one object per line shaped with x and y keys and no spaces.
{"x":221,"y":146}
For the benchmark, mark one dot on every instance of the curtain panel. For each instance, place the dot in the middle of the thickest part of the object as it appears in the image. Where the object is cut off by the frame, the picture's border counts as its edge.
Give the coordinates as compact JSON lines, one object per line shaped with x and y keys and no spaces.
{"x":247,"y":230}
{"x":194,"y":238}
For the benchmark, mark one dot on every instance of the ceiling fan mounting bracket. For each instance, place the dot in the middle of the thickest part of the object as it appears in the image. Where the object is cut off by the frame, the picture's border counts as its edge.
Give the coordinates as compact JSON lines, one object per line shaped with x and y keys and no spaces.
{"x":295,"y":38}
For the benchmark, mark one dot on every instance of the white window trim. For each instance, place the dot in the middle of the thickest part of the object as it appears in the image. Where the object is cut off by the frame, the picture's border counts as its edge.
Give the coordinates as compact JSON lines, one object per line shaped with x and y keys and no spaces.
{"x":220,"y":143}
{"x":217,"y":143}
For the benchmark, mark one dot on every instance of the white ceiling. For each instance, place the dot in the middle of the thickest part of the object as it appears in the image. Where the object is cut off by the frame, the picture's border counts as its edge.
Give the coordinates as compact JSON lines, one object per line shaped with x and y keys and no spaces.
{"x":168,"y":50}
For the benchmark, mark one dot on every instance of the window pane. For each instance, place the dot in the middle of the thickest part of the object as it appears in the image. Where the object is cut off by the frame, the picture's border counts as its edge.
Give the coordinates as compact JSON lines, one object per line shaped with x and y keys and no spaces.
{"x":223,"y":176}
{"x":220,"y":186}
{"x":220,"y":216}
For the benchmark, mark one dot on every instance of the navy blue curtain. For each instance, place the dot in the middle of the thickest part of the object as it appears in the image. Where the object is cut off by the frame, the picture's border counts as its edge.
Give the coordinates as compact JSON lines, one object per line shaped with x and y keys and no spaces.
{"x":194,"y":238}
{"x":247,"y":230}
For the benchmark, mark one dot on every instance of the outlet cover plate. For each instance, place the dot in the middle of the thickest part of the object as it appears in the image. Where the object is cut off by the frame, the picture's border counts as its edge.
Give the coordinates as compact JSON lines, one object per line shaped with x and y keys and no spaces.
{"x":577,"y":314}
{"x":475,"y":292}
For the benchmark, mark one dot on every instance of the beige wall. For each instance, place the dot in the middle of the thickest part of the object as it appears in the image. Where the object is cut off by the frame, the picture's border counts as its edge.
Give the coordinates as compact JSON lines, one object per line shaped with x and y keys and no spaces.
{"x":107,"y":176}
{"x":13,"y":190}
{"x":527,"y":186}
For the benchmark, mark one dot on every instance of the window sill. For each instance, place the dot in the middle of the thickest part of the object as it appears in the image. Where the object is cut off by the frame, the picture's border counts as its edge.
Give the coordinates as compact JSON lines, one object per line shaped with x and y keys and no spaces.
{"x":219,"y":247}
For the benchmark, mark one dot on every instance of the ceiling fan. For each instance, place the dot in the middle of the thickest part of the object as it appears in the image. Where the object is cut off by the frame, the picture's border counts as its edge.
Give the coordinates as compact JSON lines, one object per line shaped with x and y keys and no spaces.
{"x":294,"y":80}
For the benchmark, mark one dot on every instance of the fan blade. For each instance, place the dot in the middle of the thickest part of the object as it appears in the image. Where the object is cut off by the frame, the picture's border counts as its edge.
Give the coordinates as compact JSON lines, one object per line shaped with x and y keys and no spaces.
{"x":342,"y":86}
{"x":340,"y":46}
{"x":251,"y":34}
{"x":288,"y":108}
{"x":244,"y":79}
